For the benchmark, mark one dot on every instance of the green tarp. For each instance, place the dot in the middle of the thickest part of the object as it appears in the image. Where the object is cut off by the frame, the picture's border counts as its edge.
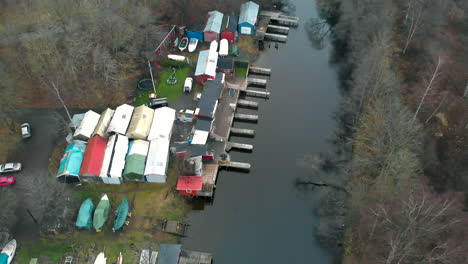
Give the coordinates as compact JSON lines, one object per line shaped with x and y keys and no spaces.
{"x":235,"y":51}
{"x":122,"y":213}
{"x":135,"y":167}
{"x":101,"y":214}
{"x":85,"y":215}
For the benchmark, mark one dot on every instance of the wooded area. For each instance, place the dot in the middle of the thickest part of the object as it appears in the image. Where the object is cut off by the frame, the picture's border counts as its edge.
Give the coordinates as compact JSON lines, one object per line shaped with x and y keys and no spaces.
{"x":405,"y":121}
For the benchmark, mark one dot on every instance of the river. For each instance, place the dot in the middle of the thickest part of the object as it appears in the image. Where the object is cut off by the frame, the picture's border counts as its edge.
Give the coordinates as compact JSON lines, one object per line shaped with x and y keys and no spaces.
{"x":260,"y":217}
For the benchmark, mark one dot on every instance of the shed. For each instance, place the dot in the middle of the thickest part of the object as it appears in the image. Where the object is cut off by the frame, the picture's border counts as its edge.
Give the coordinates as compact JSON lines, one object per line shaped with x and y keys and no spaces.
{"x":163,"y":121}
{"x":104,"y":122}
{"x":121,"y":119}
{"x":226,"y":66}
{"x":200,"y":137}
{"x":92,"y":161}
{"x":248,"y":18}
{"x":189,"y":185}
{"x":114,"y":159}
{"x":206,"y":66}
{"x":229,"y":28}
{"x":141,"y":122}
{"x":195,"y":31}
{"x":136,"y":160}
{"x":70,"y":163}
{"x":157,"y":161}
{"x":213,"y":26}
{"x":210,"y":95}
{"x":169,"y":254}
{"x":87,"y":125}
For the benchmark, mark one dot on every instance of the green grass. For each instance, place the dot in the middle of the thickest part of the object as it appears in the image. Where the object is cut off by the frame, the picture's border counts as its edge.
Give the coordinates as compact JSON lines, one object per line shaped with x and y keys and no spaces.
{"x":241,"y":71}
{"x":172,"y":92}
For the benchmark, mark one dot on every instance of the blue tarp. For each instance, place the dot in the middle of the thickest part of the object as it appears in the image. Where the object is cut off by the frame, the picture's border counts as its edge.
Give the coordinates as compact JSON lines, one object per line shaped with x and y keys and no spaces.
{"x":72,"y":158}
{"x":85,"y":215}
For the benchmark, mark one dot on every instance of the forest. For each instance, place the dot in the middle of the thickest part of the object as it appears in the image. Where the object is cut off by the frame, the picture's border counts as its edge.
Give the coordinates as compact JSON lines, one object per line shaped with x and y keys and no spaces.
{"x":402,"y":186}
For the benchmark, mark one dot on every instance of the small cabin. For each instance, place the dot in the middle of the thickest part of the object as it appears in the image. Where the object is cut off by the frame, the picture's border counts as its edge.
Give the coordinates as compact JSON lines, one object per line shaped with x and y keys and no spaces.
{"x":93,"y":158}
{"x":206,"y":66}
{"x":226,"y":66}
{"x":213,"y":26}
{"x":189,"y":185}
{"x":248,"y":18}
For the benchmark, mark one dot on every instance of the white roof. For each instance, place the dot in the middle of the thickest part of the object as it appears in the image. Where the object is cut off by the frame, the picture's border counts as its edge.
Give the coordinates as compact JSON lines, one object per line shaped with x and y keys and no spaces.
{"x":207,"y":61}
{"x":87,"y":125}
{"x":141,"y":122}
{"x":223,"y":47}
{"x":114,"y":157}
{"x":139,"y":147}
{"x":213,"y":46}
{"x":158,"y":156}
{"x":121,"y":119}
{"x":163,"y":121}
{"x":200,"y":137}
{"x":104,"y":122}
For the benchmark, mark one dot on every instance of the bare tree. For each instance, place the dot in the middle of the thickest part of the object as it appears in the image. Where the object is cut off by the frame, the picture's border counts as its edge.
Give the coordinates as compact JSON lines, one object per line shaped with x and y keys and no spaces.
{"x":428,"y":87}
{"x":413,"y":19}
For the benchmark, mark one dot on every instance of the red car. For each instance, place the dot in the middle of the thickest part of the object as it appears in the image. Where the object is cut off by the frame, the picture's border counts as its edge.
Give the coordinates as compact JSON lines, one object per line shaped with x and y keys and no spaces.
{"x":7,"y":180}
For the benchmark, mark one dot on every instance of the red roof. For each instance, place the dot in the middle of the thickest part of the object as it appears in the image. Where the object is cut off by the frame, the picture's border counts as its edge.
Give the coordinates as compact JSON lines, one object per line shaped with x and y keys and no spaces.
{"x":94,"y":155}
{"x":189,"y":183}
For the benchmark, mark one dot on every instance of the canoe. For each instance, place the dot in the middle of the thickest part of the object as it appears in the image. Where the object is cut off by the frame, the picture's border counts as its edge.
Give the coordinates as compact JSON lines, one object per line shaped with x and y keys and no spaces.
{"x":8,"y":252}
{"x":101,"y":213}
{"x":120,"y":258}
{"x":122,"y":213}
{"x":85,"y":215}
{"x":183,"y":44}
{"x":192,"y":44}
{"x":101,"y":259}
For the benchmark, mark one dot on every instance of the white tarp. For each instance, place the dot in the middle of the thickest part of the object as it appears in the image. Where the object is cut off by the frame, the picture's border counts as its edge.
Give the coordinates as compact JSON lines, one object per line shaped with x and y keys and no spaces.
{"x":114,"y":159}
{"x":141,"y":122}
{"x":157,"y":161}
{"x":224,"y":47}
{"x":121,"y":119}
{"x":88,"y":124}
{"x":200,"y":137}
{"x":139,"y":147}
{"x":104,"y":122}
{"x":163,"y":121}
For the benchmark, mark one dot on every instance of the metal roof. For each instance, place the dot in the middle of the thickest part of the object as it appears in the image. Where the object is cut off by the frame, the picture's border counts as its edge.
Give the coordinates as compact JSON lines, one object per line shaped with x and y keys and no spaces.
{"x":169,"y":254}
{"x":230,"y":23}
{"x":202,"y":124}
{"x":210,"y":95}
{"x":248,"y":13}
{"x":226,"y":63}
{"x":94,"y":155}
{"x":190,"y":183}
{"x":214,"y":22}
{"x":207,"y":60}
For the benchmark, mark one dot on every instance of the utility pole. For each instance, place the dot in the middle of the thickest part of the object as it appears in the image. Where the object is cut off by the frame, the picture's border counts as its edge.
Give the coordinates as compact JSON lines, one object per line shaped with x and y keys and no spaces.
{"x":151,"y":73}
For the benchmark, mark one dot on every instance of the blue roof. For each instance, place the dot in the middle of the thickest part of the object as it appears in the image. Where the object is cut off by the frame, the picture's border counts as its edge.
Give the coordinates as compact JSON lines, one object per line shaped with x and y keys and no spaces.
{"x":169,"y":254}
{"x":214,"y":22}
{"x":248,"y":13}
{"x":71,"y":161}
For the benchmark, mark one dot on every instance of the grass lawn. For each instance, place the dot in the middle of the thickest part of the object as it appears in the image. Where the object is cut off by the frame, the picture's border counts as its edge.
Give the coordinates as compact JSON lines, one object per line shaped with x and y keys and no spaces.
{"x":172,"y":92}
{"x":241,"y":71}
{"x":148,"y":202}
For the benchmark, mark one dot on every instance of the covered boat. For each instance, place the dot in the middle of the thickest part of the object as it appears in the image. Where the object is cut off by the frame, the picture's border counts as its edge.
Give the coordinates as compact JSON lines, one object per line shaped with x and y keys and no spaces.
{"x":176,"y":57}
{"x":121,"y":215}
{"x":8,"y":252}
{"x":101,"y":259}
{"x":183,"y":44}
{"x":136,"y":160}
{"x":121,"y":119}
{"x":102,"y":213}
{"x":87,"y":125}
{"x":85,"y":215}
{"x":223,"y":47}
{"x":192,"y":44}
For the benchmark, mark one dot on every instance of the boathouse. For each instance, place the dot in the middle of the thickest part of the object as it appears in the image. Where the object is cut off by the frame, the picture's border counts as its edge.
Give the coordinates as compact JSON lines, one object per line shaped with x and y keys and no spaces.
{"x":248,"y":18}
{"x":229,"y":28}
{"x":140,"y":123}
{"x":210,"y":96}
{"x":87,"y":125}
{"x":103,"y":123}
{"x":163,"y":122}
{"x":213,"y":26}
{"x":114,"y":159}
{"x":157,"y":161}
{"x":189,"y":185}
{"x":121,"y":119}
{"x":93,"y":158}
{"x":174,"y":254}
{"x":206,"y":66}
{"x":136,"y":160}
{"x":70,"y":164}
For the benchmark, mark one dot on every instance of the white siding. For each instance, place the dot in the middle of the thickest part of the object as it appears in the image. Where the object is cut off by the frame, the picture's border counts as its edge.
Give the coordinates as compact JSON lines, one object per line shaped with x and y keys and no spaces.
{"x":87,"y":125}
{"x":157,"y":161}
{"x":121,"y":119}
{"x":163,"y":121}
{"x":114,"y":159}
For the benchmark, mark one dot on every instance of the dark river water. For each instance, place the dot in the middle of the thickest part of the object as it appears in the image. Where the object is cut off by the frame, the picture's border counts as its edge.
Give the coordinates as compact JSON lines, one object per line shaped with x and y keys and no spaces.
{"x":260,"y":217}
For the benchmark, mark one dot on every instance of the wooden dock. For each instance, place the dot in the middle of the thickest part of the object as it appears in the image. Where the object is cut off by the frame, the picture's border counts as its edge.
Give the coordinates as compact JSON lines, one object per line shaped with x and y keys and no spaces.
{"x":247,"y":103}
{"x":257,"y":93}
{"x":280,"y":18}
{"x":233,"y":164}
{"x":231,"y":145}
{"x":242,"y":131}
{"x":256,"y":81}
{"x":258,"y":70}
{"x":246,"y":117}
{"x":278,"y":29}
{"x":276,"y":37}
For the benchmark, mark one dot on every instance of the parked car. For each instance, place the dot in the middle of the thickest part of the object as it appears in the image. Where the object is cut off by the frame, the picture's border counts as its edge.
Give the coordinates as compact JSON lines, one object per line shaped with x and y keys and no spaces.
{"x":7,"y":180}
{"x":25,"y":130}
{"x":188,"y":84}
{"x":10,"y":167}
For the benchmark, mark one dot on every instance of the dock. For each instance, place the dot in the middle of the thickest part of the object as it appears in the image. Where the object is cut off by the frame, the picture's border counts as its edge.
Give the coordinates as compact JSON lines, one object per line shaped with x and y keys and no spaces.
{"x":260,"y":71}
{"x":276,"y":37}
{"x":231,"y":145}
{"x":246,"y":117}
{"x":278,"y":29}
{"x":256,"y":81}
{"x":233,"y":164}
{"x":242,"y":131}
{"x":280,"y":18}
{"x":247,"y":103}
{"x":257,"y":93}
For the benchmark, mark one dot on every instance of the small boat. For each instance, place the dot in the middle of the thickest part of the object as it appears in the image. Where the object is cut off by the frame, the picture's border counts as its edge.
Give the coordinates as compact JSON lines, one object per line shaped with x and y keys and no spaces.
{"x":223,"y":47}
{"x":101,"y":259}
{"x":120,"y":258}
{"x":176,"y":57}
{"x":8,"y":252}
{"x":121,"y":217}
{"x":213,"y":46}
{"x":183,"y":44}
{"x":101,"y":213}
{"x":192,"y":44}
{"x":145,"y":257}
{"x":85,"y":215}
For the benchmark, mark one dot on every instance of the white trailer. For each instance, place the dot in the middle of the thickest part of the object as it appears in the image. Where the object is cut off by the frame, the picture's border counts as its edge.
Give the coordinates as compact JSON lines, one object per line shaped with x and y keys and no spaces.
{"x":163,"y":121}
{"x":88,"y":124}
{"x":157,"y":161}
{"x":114,"y":159}
{"x":121,"y":119}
